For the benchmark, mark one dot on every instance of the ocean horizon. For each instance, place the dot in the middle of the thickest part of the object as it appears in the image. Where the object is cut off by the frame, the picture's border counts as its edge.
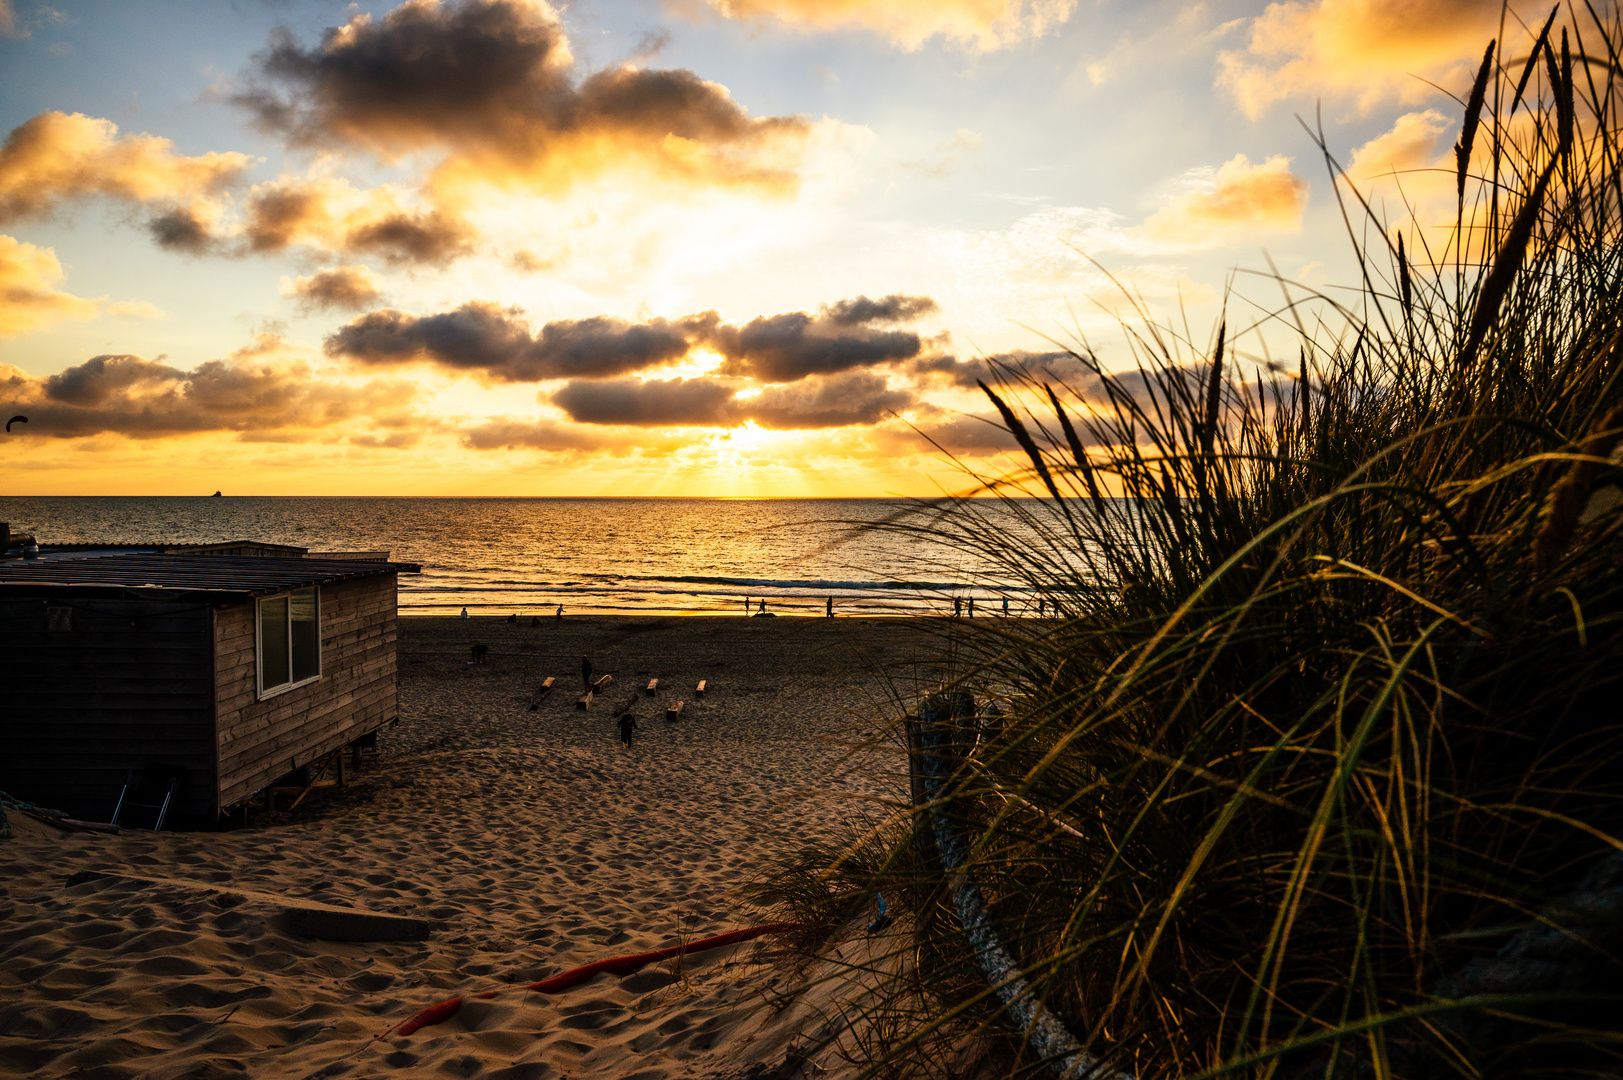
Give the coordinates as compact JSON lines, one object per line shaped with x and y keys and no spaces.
{"x":527,"y":555}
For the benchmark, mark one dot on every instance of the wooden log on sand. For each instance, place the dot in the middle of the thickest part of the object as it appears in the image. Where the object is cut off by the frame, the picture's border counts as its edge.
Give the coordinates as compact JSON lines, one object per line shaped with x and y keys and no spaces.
{"x":541,"y":691}
{"x":585,"y":700}
{"x":673,"y":711}
{"x":653,"y":685}
{"x":698,"y":691}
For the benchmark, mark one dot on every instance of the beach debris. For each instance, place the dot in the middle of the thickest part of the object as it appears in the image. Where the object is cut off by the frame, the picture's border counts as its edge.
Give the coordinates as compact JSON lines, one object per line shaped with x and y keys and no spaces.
{"x":56,"y":818}
{"x":673,"y":711}
{"x":442,"y":1011}
{"x":310,"y":918}
{"x":883,"y":919}
{"x":698,"y":691}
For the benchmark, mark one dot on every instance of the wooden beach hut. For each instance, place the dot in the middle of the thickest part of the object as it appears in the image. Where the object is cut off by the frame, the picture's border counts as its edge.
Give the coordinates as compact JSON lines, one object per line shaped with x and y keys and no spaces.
{"x":229,"y":671}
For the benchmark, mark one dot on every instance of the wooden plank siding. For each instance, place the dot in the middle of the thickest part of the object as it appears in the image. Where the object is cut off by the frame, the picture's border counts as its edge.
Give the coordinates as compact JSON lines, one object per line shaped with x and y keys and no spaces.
{"x":126,"y":685}
{"x":258,"y":741}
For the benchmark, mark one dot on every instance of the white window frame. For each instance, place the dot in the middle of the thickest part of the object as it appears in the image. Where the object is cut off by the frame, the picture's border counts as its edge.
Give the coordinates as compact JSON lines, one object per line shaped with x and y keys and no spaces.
{"x":260,"y":690}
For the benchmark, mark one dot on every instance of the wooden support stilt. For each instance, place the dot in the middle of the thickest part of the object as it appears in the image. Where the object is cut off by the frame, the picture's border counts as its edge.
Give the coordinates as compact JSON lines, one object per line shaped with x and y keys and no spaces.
{"x":315,"y":774}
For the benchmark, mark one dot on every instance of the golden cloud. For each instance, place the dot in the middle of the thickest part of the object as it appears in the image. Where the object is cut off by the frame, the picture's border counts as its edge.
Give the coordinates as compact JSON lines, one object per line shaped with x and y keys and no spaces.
{"x":979,"y":24}
{"x":492,"y":84}
{"x":334,"y":215}
{"x":29,"y":298}
{"x":57,"y":156}
{"x":1366,"y":50}
{"x":1241,"y":196}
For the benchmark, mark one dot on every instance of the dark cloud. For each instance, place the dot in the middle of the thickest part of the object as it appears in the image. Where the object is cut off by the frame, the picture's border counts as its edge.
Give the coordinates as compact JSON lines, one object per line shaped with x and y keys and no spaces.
{"x":142,"y":398}
{"x":857,"y":397}
{"x":278,"y":215}
{"x":853,"y":398}
{"x":433,"y":238}
{"x":783,"y":348}
{"x":489,"y":79}
{"x":348,"y":288}
{"x":181,"y":230}
{"x":335,"y":217}
{"x":497,"y":342}
{"x":1055,"y":367}
{"x":102,"y":378}
{"x":676,"y":402}
{"x":895,"y":308}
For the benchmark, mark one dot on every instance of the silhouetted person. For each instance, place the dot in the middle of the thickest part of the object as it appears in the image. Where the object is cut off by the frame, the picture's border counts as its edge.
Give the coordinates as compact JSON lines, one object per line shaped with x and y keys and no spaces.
{"x":1005,"y":607}
{"x":746,"y":605}
{"x":535,"y":620}
{"x":513,"y":618}
{"x":957,"y":607}
{"x":628,"y":724}
{"x":560,"y":613}
{"x":828,"y":607}
{"x":763,"y":603}
{"x":971,"y":607}
{"x":479,"y":652}
{"x":586,"y":670}
{"x":464,"y":614}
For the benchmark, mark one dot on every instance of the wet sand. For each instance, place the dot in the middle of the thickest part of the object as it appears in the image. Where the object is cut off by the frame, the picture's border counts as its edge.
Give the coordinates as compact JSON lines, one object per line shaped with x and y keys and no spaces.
{"x":539,"y":841}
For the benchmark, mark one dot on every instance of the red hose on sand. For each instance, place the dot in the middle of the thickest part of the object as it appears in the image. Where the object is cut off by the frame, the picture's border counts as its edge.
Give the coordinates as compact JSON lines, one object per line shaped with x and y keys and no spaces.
{"x":617,"y":965}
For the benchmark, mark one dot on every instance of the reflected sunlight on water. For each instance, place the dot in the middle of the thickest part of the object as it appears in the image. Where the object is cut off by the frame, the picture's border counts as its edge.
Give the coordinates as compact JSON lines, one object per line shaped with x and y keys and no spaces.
{"x":601,"y":556}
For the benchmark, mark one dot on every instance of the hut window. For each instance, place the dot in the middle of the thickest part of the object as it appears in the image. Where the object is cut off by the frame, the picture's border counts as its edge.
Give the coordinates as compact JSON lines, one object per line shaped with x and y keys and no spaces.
{"x":289,"y":640}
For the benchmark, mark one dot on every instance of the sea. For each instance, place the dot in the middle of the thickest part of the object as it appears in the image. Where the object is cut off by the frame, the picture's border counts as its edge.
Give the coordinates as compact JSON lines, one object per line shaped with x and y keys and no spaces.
{"x":528,"y":556}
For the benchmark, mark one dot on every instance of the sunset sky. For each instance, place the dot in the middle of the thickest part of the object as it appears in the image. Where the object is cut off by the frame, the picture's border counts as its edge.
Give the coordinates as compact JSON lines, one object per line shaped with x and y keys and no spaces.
{"x":652,"y":247}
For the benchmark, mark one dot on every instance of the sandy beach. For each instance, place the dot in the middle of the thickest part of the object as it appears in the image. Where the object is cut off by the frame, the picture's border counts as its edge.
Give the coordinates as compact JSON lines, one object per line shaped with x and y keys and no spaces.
{"x":538,"y":840}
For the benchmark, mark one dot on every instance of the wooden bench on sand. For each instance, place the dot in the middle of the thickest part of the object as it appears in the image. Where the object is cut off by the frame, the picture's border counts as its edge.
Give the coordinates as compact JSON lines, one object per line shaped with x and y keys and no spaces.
{"x":673,"y":711}
{"x":653,"y":685}
{"x":597,"y":687}
{"x":540,"y":692}
{"x":698,"y":691}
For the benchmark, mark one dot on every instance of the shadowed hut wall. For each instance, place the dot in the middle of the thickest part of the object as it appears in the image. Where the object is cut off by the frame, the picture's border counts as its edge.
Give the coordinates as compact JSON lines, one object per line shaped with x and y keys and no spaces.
{"x":108,"y":686}
{"x":261,"y":740}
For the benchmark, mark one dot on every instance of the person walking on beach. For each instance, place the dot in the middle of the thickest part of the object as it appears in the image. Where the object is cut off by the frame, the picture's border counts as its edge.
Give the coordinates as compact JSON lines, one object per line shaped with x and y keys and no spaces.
{"x":828,"y":607}
{"x":628,"y":724}
{"x":763,"y":603}
{"x":746,"y":605}
{"x":971,"y":607}
{"x":560,"y":613}
{"x":957,"y":607}
{"x":586,"y":670}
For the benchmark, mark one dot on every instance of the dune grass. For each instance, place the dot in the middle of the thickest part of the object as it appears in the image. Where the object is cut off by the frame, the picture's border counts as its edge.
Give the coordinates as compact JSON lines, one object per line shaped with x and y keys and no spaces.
{"x":1318,"y":770}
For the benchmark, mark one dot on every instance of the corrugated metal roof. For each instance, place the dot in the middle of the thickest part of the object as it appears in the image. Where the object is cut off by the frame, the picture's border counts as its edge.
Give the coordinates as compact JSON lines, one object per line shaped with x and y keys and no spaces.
{"x":225,"y":575}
